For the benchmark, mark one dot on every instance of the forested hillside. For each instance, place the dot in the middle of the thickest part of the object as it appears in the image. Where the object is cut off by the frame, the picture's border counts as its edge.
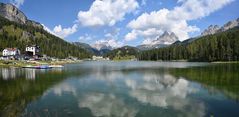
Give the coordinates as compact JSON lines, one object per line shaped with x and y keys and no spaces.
{"x":13,"y":34}
{"x":123,"y":53}
{"x":223,"y":46}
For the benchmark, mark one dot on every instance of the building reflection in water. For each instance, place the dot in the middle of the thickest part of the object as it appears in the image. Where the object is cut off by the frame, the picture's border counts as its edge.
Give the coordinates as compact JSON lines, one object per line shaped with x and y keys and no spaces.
{"x":8,"y":73}
{"x":29,"y":74}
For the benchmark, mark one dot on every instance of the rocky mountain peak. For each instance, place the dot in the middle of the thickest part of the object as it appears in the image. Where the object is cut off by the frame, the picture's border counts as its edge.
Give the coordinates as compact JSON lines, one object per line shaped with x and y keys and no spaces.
{"x":102,"y":46}
{"x":212,"y":29}
{"x":12,"y":13}
{"x":166,"y":38}
{"x":230,"y":25}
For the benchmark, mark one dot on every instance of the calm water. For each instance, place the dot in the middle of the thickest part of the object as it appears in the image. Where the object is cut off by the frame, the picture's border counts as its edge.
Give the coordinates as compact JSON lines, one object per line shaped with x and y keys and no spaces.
{"x":122,"y":89}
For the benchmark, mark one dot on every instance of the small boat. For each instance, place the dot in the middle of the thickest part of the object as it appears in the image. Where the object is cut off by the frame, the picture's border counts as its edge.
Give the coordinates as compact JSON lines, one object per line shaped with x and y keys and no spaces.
{"x":38,"y":67}
{"x":56,"y":66}
{"x":28,"y":66}
{"x":43,"y":67}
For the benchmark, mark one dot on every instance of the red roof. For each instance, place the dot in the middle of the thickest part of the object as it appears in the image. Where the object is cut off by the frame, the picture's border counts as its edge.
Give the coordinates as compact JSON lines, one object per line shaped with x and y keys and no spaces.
{"x":11,"y":49}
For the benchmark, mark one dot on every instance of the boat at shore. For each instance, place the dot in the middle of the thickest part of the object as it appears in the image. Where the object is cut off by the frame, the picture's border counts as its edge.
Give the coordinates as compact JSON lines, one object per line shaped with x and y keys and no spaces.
{"x":56,"y":66}
{"x":43,"y":66}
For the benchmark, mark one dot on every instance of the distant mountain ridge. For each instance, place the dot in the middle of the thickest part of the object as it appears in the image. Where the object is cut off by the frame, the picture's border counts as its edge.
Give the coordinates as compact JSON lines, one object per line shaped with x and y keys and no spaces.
{"x":213,"y":29}
{"x":102,"y":46}
{"x":93,"y":50}
{"x":166,"y":39}
{"x":12,"y":13}
{"x":163,"y":40}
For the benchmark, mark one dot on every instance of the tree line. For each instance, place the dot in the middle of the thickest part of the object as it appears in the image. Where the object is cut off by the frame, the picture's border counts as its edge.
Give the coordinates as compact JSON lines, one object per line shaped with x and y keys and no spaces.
{"x":222,"y":46}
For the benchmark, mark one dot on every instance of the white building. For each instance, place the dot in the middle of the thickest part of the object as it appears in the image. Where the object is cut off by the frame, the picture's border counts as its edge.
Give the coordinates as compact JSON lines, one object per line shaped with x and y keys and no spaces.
{"x":34,"y":50}
{"x":99,"y":58}
{"x":11,"y":52}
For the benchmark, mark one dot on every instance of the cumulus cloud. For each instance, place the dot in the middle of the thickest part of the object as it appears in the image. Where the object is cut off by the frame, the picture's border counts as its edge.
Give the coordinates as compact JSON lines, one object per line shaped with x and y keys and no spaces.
{"x":131,"y":36}
{"x":175,"y":20}
{"x":106,"y":12}
{"x":17,"y":3}
{"x":147,"y":33}
{"x":166,"y":91}
{"x":106,"y":105}
{"x":86,"y":37}
{"x":62,"y":32}
{"x":107,"y":43}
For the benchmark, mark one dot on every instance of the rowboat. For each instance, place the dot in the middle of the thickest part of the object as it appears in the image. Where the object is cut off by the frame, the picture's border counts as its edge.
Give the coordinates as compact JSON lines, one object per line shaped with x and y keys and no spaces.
{"x":38,"y":67}
{"x":43,"y":66}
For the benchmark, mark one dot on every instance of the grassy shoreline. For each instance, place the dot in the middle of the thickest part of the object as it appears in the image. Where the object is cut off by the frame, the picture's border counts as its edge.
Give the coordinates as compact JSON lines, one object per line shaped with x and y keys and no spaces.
{"x":13,"y":63}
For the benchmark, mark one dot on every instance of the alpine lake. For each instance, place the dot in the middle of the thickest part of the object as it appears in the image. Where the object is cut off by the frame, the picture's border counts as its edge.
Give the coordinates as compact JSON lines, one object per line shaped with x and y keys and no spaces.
{"x":122,"y":89}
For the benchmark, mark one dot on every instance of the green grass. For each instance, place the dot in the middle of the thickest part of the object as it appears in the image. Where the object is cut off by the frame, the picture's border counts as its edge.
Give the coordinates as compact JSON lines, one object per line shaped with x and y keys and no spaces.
{"x":14,"y":63}
{"x":127,"y":57}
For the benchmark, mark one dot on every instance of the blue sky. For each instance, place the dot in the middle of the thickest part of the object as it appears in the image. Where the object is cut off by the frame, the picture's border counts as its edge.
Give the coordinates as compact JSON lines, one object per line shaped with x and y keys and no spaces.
{"x":126,"y":22}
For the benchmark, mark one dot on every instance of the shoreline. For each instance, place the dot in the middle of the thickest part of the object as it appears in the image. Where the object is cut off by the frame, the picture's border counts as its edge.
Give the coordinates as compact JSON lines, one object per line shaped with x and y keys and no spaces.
{"x":19,"y":64}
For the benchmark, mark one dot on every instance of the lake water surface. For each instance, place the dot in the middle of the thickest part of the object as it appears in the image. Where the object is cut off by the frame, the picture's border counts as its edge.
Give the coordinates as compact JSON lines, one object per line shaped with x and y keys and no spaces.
{"x":122,"y":89}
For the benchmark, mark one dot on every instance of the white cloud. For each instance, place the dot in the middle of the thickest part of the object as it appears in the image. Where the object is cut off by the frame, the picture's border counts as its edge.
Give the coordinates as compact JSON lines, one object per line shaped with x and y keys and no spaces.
{"x":17,"y":3}
{"x":65,"y":32}
{"x":147,"y":33}
{"x":176,"y":20}
{"x":62,"y":32}
{"x":106,"y":12}
{"x":131,"y":36}
{"x":106,"y":105}
{"x":107,"y":43}
{"x":166,"y":91}
{"x":86,"y":37}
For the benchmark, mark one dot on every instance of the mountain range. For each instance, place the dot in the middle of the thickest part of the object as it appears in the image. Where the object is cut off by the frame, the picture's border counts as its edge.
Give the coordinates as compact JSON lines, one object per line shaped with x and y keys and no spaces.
{"x":213,"y":29}
{"x":17,"y":31}
{"x":167,"y":39}
{"x":13,"y":14}
{"x":163,"y":40}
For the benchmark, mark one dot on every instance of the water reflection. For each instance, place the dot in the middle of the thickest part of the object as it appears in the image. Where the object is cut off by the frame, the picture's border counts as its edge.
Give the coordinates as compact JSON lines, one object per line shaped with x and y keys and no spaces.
{"x":120,"y":90}
{"x":157,"y":89}
{"x":30,"y":74}
{"x":64,"y":87}
{"x":8,"y":73}
{"x":106,"y":105}
{"x":165,"y":91}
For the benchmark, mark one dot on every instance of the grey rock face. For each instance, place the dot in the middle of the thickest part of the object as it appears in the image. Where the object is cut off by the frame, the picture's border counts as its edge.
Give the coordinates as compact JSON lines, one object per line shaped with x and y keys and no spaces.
{"x":230,"y":25}
{"x":212,"y":29}
{"x":34,"y":24}
{"x":12,"y":13}
{"x":102,"y":46}
{"x":164,"y":40}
